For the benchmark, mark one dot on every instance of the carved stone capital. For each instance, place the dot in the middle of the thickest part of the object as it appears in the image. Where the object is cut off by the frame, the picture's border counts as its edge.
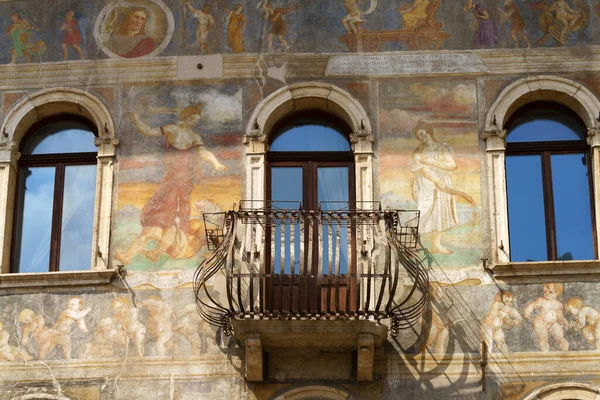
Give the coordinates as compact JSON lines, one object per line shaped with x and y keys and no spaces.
{"x":362,"y":134}
{"x":362,"y":141}
{"x":495,"y":139}
{"x":9,"y":152}
{"x":593,"y":137}
{"x":100,"y":140}
{"x":257,"y":141}
{"x":495,"y":133}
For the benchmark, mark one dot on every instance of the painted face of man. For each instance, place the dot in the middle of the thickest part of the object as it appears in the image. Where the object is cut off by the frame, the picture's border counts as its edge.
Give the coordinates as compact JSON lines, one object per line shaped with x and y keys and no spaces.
{"x":137,"y":20}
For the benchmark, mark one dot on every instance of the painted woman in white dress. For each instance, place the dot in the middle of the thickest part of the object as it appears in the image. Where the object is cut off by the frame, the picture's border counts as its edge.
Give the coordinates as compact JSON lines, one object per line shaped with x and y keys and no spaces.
{"x":432,"y":187}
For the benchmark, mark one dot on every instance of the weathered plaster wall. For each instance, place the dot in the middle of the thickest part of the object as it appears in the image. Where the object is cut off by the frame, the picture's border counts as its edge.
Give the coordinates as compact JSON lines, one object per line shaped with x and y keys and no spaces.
{"x":140,"y":336}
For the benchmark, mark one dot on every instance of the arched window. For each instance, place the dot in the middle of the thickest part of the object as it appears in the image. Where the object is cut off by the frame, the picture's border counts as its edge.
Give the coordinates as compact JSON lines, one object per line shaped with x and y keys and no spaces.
{"x":310,"y":162}
{"x":548,"y":180}
{"x":54,"y":205}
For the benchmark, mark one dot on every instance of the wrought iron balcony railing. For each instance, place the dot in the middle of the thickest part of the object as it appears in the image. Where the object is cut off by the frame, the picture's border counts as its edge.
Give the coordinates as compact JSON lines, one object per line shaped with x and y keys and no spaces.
{"x":290,"y":263}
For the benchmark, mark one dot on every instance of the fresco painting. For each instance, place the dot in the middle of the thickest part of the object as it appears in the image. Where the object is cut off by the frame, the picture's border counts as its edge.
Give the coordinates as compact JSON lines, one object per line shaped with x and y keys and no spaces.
{"x":162,"y":199}
{"x":23,"y":45}
{"x":145,"y":28}
{"x":428,"y":163}
{"x":236,"y":21}
{"x":166,"y":323}
{"x":71,"y":36}
{"x":586,"y":320}
{"x":204,"y":23}
{"x":134,"y":29}
{"x":502,"y":315}
{"x":419,"y":28}
{"x":560,"y":21}
{"x":160,"y":324}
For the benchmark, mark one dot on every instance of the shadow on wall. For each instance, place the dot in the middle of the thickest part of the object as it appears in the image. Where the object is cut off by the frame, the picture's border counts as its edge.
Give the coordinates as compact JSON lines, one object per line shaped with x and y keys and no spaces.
{"x":443,"y":354}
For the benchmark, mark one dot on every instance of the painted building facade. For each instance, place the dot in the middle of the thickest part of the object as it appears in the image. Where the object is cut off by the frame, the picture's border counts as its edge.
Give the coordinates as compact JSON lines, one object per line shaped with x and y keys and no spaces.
{"x":185,"y":97}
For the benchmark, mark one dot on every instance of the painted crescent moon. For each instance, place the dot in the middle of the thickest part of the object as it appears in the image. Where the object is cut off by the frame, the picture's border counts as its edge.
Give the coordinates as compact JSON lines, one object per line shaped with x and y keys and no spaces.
{"x":372,"y":7}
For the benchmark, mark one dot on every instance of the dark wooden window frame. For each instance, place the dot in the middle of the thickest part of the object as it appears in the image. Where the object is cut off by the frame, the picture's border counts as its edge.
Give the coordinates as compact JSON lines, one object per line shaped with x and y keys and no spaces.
{"x":545,"y":149}
{"x":310,"y":162}
{"x":59,"y":161}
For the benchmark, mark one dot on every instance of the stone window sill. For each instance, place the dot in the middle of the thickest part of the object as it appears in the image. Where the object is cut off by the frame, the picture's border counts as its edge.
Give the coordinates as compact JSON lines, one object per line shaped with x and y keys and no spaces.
{"x":55,"y":279}
{"x":563,"y":270}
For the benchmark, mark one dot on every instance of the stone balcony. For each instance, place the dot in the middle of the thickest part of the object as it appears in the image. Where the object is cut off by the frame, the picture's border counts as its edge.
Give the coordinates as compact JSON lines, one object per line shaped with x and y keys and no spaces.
{"x":288,"y":278}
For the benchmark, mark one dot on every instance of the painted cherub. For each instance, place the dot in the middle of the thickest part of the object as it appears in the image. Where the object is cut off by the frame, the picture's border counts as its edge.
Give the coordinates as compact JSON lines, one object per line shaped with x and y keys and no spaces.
{"x":34,"y":326}
{"x":502,"y":313}
{"x":587,"y":320}
{"x":189,"y":325}
{"x":105,"y":337}
{"x":565,"y":15}
{"x":73,"y":314}
{"x":8,"y":352}
{"x":126,"y":316}
{"x":159,"y":322}
{"x":546,"y":315}
{"x":353,"y":17}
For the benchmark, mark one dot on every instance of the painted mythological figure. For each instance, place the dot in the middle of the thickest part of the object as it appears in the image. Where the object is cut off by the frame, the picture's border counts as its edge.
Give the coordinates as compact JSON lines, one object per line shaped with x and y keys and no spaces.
{"x":205,"y":22}
{"x":587,"y":321}
{"x":166,"y":216}
{"x":72,"y":36}
{"x":486,"y":34}
{"x":34,"y":327}
{"x":413,"y":15}
{"x":511,"y":13}
{"x":547,"y":317}
{"x":105,"y":338}
{"x":159,"y":322}
{"x":125,"y":317}
{"x":8,"y":352}
{"x":559,"y":19}
{"x":352,"y":21}
{"x":20,"y":31}
{"x":236,"y":21}
{"x":189,"y":325}
{"x":130,"y":40}
{"x":278,"y":25}
{"x":73,"y":314}
{"x":502,"y":314}
{"x":432,"y":187}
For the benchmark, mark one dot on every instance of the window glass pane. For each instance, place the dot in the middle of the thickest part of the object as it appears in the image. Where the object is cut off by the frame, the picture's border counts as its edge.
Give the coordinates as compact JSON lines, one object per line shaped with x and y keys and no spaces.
{"x":572,"y":210}
{"x":333,"y":194}
{"x":34,"y":225}
{"x":286,"y":192}
{"x":61,"y":137}
{"x":545,"y":122}
{"x":527,"y":225}
{"x":286,"y":185}
{"x":310,"y":137}
{"x":77,"y":217}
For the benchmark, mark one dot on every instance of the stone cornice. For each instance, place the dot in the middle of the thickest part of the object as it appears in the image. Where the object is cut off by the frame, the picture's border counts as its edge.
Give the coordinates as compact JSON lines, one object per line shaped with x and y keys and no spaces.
{"x":106,"y":72}
{"x":546,"y":271}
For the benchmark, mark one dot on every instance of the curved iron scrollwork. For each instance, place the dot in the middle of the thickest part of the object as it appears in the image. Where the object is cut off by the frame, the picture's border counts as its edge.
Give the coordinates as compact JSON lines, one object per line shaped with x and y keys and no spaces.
{"x":349,"y":263}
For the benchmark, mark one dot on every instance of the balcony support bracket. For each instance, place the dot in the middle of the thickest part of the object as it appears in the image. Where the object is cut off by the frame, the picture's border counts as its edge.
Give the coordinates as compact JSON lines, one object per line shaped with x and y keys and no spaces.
{"x":254,"y":357}
{"x":365,"y":357}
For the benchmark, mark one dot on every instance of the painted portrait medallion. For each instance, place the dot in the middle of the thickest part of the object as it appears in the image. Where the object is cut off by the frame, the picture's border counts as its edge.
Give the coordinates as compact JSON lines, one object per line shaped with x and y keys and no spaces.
{"x":133,"y":29}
